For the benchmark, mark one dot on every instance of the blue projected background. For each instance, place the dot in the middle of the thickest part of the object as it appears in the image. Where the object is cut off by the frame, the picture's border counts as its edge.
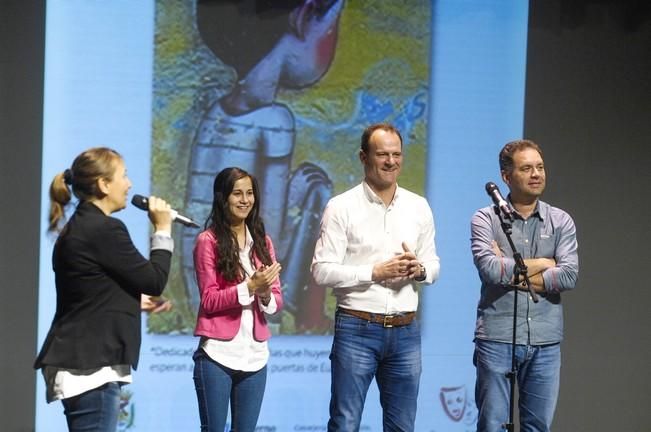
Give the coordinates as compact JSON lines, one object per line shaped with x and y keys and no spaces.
{"x":105,"y":85}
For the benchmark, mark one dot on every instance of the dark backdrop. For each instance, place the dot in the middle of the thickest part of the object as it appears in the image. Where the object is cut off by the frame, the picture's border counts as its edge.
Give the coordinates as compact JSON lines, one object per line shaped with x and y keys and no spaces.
{"x":588,"y":104}
{"x":22,"y":34}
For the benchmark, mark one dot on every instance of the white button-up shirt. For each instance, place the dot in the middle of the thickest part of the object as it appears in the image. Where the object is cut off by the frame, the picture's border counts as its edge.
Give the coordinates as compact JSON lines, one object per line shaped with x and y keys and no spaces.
{"x":358,"y":231}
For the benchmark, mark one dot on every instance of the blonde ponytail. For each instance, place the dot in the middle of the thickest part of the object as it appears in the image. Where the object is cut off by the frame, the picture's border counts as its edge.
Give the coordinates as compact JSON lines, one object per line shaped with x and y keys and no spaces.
{"x":80,"y":180}
{"x":59,"y":197}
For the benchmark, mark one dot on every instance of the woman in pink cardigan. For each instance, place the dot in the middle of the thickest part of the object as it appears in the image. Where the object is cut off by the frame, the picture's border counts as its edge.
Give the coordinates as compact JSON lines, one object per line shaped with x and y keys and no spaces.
{"x":237,"y":274}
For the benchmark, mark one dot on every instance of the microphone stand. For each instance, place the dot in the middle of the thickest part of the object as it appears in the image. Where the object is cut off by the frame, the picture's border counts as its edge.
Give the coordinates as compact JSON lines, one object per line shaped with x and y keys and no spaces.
{"x":519,"y":271}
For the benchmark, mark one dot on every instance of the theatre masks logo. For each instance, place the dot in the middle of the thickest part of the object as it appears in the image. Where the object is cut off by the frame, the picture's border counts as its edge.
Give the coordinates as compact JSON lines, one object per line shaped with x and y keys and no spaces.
{"x":453,"y":400}
{"x":457,"y":405}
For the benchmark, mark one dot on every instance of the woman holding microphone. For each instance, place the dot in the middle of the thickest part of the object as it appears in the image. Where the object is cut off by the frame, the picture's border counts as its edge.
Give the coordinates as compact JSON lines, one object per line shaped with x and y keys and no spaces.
{"x":94,"y":339}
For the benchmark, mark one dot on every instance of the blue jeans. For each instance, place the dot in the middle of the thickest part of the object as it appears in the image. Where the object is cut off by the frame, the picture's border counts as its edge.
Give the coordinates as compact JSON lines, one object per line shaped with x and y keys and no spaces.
{"x":362,"y":350}
{"x":95,"y":410}
{"x":538,"y":380}
{"x":216,"y":385}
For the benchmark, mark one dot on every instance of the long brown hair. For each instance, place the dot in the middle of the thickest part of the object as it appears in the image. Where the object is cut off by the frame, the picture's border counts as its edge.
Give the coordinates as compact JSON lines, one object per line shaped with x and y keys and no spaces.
{"x":220,"y":220}
{"x":91,"y":165}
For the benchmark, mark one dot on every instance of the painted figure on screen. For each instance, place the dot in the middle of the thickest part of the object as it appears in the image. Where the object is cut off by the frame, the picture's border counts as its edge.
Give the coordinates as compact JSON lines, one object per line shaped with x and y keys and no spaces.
{"x":281,"y":89}
{"x":287,"y":44}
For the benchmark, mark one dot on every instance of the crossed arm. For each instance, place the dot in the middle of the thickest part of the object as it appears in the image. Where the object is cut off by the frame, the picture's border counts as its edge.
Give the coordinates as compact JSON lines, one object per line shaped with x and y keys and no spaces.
{"x":535,"y":268}
{"x":547,"y":274}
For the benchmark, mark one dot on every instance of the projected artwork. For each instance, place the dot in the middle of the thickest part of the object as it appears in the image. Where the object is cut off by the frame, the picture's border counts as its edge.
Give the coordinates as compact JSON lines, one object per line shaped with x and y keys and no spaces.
{"x":283,"y":90}
{"x":184,"y":88}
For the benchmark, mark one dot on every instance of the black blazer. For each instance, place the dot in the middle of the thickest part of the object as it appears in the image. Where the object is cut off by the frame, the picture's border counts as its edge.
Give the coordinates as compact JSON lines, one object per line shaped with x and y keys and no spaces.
{"x":99,"y":278}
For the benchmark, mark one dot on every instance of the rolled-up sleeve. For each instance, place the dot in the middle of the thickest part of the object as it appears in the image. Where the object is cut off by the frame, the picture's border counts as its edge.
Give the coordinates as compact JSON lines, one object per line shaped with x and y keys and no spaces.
{"x":162,"y":240}
{"x":493,"y":269}
{"x":564,"y":275}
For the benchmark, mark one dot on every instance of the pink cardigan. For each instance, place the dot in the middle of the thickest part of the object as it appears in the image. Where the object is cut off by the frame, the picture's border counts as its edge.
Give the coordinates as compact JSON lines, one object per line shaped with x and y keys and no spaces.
{"x":219,"y":310}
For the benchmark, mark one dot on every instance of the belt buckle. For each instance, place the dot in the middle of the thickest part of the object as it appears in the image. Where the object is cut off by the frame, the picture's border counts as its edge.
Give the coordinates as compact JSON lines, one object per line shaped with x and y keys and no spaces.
{"x":387,"y":322}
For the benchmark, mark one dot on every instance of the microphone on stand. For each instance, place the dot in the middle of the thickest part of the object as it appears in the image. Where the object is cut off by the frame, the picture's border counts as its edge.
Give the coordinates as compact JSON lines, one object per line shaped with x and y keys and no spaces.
{"x":142,"y":203}
{"x":494,"y":192}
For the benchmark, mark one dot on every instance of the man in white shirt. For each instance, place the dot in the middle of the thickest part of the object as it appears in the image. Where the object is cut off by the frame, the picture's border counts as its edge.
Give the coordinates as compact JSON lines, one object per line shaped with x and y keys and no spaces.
{"x":375,"y":247}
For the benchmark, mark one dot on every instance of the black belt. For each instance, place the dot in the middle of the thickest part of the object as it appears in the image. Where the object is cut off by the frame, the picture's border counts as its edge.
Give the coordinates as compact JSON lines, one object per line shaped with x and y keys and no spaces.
{"x":395,"y":320}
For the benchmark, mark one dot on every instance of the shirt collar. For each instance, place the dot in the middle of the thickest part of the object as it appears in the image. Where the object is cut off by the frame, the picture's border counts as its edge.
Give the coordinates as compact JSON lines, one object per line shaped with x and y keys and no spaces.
{"x":249,"y":240}
{"x":541,"y":210}
{"x":372,"y":196}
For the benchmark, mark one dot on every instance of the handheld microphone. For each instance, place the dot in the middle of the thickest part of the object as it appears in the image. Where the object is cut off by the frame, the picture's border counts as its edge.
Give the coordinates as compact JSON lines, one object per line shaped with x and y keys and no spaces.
{"x":493,"y":191}
{"x":142,"y":203}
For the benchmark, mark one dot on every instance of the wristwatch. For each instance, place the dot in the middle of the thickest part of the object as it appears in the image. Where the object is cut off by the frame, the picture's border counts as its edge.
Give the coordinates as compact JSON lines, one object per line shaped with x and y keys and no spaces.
{"x":423,"y":274}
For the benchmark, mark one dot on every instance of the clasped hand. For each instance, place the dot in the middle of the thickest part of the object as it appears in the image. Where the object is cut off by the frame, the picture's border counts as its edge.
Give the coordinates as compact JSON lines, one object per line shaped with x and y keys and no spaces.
{"x":403,"y":266}
{"x":260,"y":282}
